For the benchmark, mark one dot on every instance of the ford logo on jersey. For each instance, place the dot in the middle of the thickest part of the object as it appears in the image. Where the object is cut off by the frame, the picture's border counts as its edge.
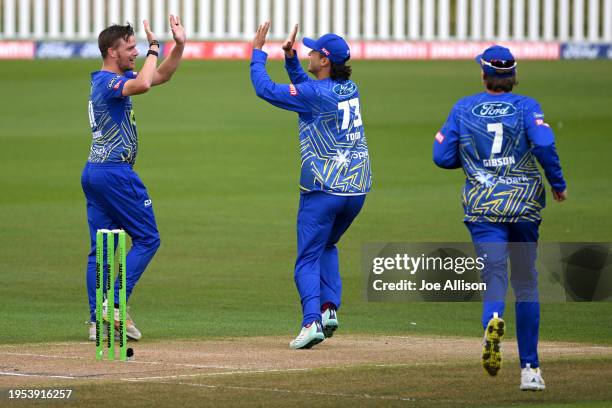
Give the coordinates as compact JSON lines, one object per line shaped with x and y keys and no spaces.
{"x":346,"y":89}
{"x":494,"y":109}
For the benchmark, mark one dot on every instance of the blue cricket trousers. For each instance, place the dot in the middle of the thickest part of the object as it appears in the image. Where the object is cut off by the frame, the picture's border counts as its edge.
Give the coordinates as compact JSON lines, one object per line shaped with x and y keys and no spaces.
{"x":117,"y":198}
{"x":322,"y":219}
{"x":492,"y":239}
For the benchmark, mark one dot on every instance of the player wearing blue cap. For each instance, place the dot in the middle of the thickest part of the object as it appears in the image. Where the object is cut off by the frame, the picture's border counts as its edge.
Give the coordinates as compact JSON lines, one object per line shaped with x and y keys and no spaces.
{"x":115,"y":195}
{"x":496,"y":137}
{"x":335,"y":174}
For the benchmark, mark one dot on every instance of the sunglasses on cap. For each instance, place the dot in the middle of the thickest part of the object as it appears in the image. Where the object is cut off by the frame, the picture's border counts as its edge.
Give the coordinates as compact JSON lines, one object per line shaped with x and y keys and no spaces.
{"x":499,"y":64}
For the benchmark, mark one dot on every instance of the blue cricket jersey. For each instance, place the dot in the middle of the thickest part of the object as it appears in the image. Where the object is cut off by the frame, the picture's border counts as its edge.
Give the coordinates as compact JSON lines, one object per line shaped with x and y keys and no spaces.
{"x":112,"y":120}
{"x":495,"y":139}
{"x":334,"y":151}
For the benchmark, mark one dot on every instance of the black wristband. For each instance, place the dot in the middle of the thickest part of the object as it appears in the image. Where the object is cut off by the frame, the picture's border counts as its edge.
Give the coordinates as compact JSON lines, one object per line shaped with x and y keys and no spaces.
{"x":151,"y":52}
{"x":154,"y":42}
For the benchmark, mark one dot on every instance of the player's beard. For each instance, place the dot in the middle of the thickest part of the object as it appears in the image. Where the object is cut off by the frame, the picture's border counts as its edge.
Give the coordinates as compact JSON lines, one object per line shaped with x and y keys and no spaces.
{"x":127,"y":65}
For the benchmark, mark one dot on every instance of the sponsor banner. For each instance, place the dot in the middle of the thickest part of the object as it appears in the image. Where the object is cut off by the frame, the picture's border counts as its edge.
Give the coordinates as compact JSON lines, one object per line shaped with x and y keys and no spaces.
{"x":522,"y":50}
{"x":225,"y":50}
{"x":375,"y":50}
{"x":368,"y":50}
{"x":68,"y":49}
{"x":17,"y":49}
{"x":586,"y":51}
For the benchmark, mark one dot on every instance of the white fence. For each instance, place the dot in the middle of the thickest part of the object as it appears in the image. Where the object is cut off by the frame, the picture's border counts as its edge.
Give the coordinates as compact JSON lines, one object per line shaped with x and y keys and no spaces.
{"x":502,"y":20}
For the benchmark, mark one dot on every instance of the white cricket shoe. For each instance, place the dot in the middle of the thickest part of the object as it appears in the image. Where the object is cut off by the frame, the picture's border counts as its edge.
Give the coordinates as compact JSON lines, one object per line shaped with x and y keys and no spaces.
{"x":92,"y":331}
{"x":531,"y":379}
{"x":131,"y":330}
{"x":309,"y":336}
{"x":329,"y":321}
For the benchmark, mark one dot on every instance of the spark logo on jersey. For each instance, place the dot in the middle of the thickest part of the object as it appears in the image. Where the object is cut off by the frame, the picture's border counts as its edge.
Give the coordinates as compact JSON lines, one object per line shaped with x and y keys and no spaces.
{"x":485,"y":179}
{"x":112,"y":81}
{"x":345,"y":90}
{"x":493,"y":109}
{"x":342,"y":157}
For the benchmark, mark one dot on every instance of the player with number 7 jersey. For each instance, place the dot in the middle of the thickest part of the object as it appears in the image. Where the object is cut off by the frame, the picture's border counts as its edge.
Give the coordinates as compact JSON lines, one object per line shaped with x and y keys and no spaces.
{"x":496,"y":136}
{"x":335,"y":168}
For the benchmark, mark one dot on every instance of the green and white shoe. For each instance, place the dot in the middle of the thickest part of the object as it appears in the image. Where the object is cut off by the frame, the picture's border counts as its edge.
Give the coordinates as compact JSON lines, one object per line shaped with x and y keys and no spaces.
{"x":329,"y":321}
{"x":310,"y":335}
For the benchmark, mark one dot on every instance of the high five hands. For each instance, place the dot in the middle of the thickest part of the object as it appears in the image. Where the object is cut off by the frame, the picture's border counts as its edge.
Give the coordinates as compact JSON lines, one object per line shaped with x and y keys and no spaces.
{"x":178,"y":31}
{"x":288,"y":44}
{"x":262,"y":33}
{"x":260,"y":36}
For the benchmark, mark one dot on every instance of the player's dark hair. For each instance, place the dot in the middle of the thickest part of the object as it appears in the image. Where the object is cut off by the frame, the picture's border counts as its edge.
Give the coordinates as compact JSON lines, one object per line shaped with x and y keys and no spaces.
{"x":497,"y":84}
{"x":340,"y":72}
{"x":109,"y":36}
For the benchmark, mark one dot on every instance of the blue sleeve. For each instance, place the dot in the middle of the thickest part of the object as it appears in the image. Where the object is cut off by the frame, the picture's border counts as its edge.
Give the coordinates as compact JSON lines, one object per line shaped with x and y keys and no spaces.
{"x":446,"y":144}
{"x":542,"y":142}
{"x":297,"y":75}
{"x":114,"y":85}
{"x":301,"y":98}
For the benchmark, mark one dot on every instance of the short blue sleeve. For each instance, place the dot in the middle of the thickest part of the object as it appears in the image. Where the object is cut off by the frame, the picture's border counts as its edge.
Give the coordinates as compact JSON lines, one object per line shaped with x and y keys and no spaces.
{"x":446,"y":143}
{"x":538,"y":131}
{"x":115,"y":83}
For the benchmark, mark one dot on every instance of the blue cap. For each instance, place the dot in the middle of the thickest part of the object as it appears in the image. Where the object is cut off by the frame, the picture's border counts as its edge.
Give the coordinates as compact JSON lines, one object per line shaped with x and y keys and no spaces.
{"x":497,"y":61}
{"x":331,"y":46}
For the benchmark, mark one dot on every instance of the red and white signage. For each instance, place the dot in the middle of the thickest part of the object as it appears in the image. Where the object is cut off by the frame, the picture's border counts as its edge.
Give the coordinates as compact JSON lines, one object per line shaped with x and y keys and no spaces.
{"x":376,"y":50}
{"x":17,"y":49}
{"x":360,"y":50}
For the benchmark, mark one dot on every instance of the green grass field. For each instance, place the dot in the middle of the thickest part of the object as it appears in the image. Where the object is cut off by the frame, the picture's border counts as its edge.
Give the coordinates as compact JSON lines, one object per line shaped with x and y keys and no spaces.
{"x":221,"y":168}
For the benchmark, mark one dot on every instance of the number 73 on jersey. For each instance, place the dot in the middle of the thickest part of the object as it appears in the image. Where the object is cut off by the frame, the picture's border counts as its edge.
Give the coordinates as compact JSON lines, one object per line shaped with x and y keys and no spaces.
{"x":346,"y":107}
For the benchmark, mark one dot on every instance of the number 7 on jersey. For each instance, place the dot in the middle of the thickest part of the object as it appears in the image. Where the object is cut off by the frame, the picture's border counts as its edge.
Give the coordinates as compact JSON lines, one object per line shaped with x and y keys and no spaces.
{"x":498,"y":129}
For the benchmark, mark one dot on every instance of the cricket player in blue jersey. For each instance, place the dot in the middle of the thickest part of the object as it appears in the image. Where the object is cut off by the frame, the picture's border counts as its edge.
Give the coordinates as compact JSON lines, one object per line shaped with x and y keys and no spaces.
{"x":335,"y":168}
{"x":116,"y":197}
{"x":496,"y":136}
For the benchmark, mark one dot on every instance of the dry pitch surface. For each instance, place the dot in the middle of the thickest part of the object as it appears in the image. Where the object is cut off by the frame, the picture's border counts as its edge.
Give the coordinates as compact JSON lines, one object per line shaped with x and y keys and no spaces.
{"x":344,"y":370}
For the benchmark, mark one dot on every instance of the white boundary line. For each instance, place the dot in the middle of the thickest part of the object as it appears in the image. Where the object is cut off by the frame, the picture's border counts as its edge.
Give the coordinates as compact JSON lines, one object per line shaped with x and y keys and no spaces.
{"x":288,"y":370}
{"x":38,"y":375}
{"x":25,"y":345}
{"x":284,"y":391}
{"x":245,"y":371}
{"x":130,"y":362}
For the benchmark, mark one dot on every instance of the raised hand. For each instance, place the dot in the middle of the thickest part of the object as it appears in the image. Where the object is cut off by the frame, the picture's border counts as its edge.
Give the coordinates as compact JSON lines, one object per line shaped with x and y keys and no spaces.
{"x":288,"y":44}
{"x":260,"y":36}
{"x":150,"y":36}
{"x":178,"y":31}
